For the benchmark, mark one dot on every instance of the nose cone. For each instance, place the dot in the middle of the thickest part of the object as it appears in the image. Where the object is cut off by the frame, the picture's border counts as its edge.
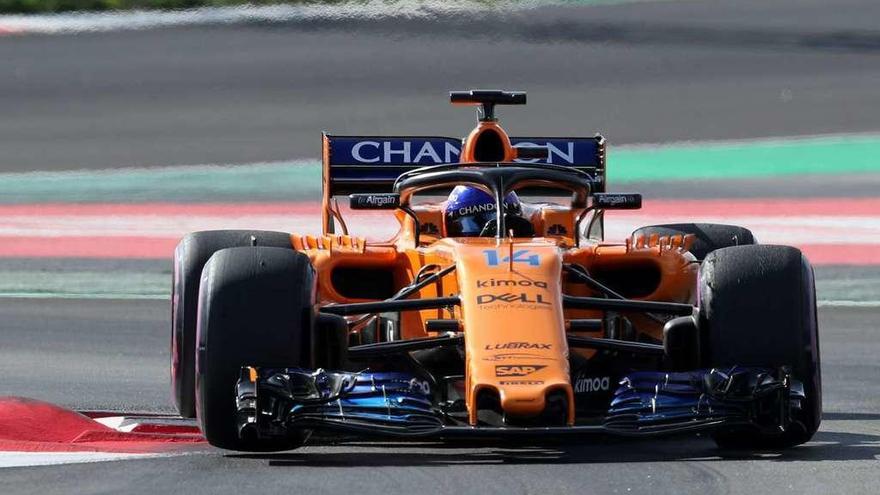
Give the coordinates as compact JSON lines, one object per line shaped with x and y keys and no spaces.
{"x":514,"y":327}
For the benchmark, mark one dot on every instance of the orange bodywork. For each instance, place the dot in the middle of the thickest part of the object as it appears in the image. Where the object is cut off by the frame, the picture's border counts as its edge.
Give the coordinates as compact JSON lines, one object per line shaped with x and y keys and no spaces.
{"x":511,"y":312}
{"x":468,"y":151}
{"x":509,"y":301}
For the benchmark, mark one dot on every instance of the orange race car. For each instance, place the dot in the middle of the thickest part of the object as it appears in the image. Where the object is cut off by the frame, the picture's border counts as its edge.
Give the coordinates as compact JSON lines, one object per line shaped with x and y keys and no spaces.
{"x":497,"y":311}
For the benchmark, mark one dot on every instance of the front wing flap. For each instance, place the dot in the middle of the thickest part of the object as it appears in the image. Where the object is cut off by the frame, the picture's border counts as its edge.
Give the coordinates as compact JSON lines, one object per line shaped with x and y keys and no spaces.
{"x":273,"y":402}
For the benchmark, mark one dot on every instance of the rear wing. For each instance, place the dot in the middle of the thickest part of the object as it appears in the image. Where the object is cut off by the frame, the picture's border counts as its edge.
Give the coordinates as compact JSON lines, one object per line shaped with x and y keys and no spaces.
{"x":371,"y":164}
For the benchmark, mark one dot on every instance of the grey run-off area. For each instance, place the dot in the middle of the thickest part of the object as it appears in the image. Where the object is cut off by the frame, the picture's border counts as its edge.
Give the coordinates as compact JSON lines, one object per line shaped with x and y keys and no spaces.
{"x":113,"y":354}
{"x":641,"y":72}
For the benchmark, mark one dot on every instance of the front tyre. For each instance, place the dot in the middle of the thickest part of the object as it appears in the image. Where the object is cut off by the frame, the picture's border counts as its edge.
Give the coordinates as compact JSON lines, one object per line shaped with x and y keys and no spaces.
{"x":190,"y":257}
{"x":758,"y":308}
{"x":255,"y":309}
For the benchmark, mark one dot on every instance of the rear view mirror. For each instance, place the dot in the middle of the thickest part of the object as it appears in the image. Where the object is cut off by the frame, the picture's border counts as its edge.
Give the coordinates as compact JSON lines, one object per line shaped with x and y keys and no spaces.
{"x":374,"y":201}
{"x":617,"y":201}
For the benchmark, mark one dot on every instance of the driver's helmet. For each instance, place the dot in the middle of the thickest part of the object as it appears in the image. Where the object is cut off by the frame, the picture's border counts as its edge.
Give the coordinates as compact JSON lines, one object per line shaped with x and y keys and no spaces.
{"x":469,"y":209}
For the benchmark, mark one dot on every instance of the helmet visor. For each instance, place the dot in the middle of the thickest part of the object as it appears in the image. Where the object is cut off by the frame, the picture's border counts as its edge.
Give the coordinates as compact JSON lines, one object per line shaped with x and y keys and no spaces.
{"x":469,"y":225}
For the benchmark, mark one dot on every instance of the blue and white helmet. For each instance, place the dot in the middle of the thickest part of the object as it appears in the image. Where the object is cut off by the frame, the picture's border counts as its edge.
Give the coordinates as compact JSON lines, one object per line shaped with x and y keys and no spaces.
{"x":469,"y":209}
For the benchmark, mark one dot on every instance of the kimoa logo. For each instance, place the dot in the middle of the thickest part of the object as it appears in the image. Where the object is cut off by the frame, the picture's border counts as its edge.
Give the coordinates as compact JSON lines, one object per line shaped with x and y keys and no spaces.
{"x":516,"y":345}
{"x":517,"y":369}
{"x":587,"y":384}
{"x":495,"y":282}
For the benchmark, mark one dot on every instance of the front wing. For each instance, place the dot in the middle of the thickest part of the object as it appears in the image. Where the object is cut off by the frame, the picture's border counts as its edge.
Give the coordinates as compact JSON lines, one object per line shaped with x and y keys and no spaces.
{"x":274,"y":403}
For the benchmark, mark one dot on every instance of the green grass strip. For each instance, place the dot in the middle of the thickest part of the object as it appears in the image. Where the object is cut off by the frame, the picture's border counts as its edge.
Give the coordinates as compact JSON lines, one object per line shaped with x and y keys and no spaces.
{"x":288,"y":181}
{"x":122,"y":285}
{"x":747,"y":159}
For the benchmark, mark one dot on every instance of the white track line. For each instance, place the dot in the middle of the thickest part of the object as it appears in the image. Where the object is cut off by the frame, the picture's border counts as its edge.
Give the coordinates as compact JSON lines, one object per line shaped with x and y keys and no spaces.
{"x":29,"y":459}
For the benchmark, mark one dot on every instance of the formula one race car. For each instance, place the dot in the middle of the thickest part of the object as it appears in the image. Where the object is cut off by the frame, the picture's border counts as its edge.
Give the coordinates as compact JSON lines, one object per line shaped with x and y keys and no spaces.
{"x":488,"y":315}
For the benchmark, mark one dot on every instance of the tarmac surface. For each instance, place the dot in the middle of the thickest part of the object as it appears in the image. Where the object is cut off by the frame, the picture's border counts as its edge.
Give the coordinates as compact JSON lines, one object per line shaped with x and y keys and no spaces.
{"x":641,"y":72}
{"x":113,"y":354}
{"x":638,"y":72}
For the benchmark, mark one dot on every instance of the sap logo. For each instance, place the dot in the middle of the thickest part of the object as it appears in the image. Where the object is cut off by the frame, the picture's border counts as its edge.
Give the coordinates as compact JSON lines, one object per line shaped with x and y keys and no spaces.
{"x":516,"y":345}
{"x":519,"y":256}
{"x":510,"y":298}
{"x":404,"y":152}
{"x":555,"y":154}
{"x":586,"y":384}
{"x":518,"y":370}
{"x":492,"y":282}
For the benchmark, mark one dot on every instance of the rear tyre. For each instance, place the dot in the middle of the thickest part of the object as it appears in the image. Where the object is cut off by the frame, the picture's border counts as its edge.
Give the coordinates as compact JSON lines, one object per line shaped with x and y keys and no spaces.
{"x":189,"y":258}
{"x":707,"y":236}
{"x":758,"y":308}
{"x":255,"y":309}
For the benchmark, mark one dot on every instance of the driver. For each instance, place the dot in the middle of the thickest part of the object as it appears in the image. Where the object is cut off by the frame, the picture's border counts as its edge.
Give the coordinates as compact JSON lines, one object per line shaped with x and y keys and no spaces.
{"x":470,"y":212}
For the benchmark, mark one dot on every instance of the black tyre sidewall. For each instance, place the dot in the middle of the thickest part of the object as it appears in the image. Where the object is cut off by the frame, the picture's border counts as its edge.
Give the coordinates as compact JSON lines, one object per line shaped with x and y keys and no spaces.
{"x":256,"y":308}
{"x":190,"y":257}
{"x":758,"y":308}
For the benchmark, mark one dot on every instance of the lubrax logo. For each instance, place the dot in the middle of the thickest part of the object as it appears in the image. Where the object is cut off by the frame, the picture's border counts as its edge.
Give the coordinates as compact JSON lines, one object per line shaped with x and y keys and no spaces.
{"x":516,"y":345}
{"x":517,"y":369}
{"x":494,"y":282}
{"x":509,"y":297}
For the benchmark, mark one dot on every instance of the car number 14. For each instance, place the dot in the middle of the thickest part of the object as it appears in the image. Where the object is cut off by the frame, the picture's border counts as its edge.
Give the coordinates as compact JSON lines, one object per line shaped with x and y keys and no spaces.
{"x":519,"y":256}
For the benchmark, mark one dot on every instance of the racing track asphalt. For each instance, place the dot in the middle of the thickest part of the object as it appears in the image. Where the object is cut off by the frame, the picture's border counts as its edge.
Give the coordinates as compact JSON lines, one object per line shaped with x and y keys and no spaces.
{"x":638,"y":72}
{"x":652,"y":72}
{"x":112,"y":353}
